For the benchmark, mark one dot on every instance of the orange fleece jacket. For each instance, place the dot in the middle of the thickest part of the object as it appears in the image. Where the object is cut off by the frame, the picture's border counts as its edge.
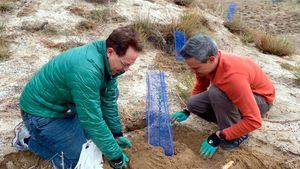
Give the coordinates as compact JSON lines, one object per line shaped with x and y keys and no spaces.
{"x":239,"y":77}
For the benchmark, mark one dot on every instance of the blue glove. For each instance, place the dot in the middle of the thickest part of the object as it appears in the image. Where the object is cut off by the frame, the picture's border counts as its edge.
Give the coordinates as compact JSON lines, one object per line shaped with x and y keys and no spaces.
{"x":124,"y":142}
{"x":180,"y":116}
{"x":120,"y":163}
{"x":210,"y":146}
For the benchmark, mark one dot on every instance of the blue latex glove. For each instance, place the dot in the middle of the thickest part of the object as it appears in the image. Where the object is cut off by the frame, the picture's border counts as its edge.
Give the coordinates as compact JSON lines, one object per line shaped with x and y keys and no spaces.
{"x":120,"y":163}
{"x":124,"y":142}
{"x":210,"y":146}
{"x":180,"y":116}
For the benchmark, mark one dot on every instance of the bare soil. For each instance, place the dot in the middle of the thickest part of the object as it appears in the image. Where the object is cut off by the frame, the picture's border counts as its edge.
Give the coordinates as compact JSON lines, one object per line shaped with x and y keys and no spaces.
{"x":187,"y":143}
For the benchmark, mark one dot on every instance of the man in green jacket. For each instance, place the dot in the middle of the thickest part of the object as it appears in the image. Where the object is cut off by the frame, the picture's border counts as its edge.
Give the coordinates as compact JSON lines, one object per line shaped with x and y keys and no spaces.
{"x":74,"y":98}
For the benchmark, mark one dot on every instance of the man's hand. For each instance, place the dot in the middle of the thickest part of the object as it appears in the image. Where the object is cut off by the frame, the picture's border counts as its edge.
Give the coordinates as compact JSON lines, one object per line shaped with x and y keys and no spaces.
{"x":180,"y":116}
{"x":120,"y":163}
{"x":124,"y":142}
{"x":210,"y":146}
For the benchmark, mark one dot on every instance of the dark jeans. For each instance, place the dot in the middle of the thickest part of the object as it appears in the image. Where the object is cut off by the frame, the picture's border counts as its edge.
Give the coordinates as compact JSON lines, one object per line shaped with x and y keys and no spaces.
{"x":52,"y":136}
{"x":214,"y":106}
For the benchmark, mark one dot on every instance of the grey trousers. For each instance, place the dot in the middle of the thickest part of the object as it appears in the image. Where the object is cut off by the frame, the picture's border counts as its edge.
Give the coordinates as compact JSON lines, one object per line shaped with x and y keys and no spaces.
{"x":214,"y":106}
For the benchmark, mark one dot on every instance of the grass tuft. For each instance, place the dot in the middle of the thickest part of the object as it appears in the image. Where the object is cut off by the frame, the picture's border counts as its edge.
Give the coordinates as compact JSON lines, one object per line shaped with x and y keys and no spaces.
{"x":101,"y":1}
{"x":287,"y":66}
{"x":4,"y":48}
{"x":275,"y":45}
{"x":265,"y":42}
{"x":62,"y":46}
{"x":187,"y":79}
{"x":297,"y":75}
{"x":184,"y":2}
{"x":5,"y":7}
{"x":161,"y":36}
{"x":86,"y":25}
{"x":100,"y":15}
{"x":193,"y":23}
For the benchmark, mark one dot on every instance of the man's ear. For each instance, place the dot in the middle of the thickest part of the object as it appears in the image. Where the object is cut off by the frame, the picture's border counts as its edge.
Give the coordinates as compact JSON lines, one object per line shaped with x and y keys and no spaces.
{"x":212,"y":58}
{"x":109,"y":51}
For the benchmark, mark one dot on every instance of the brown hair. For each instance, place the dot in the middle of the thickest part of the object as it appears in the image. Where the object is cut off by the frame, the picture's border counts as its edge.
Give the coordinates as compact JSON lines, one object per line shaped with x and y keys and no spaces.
{"x":122,"y":38}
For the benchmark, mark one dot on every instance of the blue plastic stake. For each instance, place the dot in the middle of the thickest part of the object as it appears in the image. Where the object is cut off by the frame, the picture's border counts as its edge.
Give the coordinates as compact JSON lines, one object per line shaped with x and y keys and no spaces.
{"x":231,"y":11}
{"x":179,"y":41}
{"x":158,"y":124}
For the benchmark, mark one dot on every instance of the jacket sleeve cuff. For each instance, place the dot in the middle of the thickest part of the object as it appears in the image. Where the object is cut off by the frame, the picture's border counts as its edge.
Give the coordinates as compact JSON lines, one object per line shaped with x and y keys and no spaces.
{"x":185,"y":111}
{"x":118,"y":160}
{"x":222,"y":135}
{"x":118,"y":134}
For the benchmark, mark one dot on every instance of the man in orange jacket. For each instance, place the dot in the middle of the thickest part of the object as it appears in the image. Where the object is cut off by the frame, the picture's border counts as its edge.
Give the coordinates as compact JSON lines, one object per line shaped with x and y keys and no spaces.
{"x":239,"y":93}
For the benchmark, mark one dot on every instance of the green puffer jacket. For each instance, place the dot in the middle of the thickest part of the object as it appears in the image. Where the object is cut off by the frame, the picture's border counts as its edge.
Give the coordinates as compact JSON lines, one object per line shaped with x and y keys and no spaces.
{"x":80,"y":76}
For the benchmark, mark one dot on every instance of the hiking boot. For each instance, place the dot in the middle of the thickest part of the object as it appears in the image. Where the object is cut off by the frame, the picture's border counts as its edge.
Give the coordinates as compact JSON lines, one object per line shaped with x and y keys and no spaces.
{"x":20,"y":142}
{"x":232,"y":144}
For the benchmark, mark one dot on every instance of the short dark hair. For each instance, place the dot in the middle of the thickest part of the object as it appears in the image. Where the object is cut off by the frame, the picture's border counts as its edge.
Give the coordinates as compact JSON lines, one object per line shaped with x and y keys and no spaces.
{"x":122,"y":38}
{"x":201,"y":47}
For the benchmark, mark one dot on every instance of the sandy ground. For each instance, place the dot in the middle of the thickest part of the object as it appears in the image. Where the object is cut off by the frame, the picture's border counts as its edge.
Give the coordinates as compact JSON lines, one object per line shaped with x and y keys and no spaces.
{"x":275,"y":145}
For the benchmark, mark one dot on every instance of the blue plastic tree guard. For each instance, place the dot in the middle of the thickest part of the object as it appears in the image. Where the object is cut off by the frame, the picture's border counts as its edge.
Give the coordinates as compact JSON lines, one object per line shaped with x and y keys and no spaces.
{"x":179,"y":41}
{"x":158,"y":125}
{"x":231,"y":11}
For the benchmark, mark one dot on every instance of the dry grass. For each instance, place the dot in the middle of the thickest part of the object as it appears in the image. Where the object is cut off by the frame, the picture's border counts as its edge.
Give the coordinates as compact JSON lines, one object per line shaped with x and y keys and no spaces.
{"x":105,"y":15}
{"x":166,"y":62}
{"x":2,"y":27}
{"x":4,"y":44}
{"x":101,"y":1}
{"x":100,"y":15}
{"x":86,"y":25}
{"x":78,"y":11}
{"x":33,"y":26}
{"x":193,"y":23}
{"x":272,"y":44}
{"x":62,"y":46}
{"x":4,"y":48}
{"x":287,"y":66}
{"x":50,"y":30}
{"x":5,"y":7}
{"x":297,"y":75}
{"x":245,"y":34}
{"x":267,"y":43}
{"x":215,"y":7}
{"x":27,"y":10}
{"x":161,"y":36}
{"x":187,"y":79}
{"x":145,"y":27}
{"x":294,"y":69}
{"x":236,"y":25}
{"x":184,"y":2}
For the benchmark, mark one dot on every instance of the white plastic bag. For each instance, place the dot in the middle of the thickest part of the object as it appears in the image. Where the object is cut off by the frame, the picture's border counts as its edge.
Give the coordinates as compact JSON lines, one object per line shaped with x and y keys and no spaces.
{"x":90,"y":157}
